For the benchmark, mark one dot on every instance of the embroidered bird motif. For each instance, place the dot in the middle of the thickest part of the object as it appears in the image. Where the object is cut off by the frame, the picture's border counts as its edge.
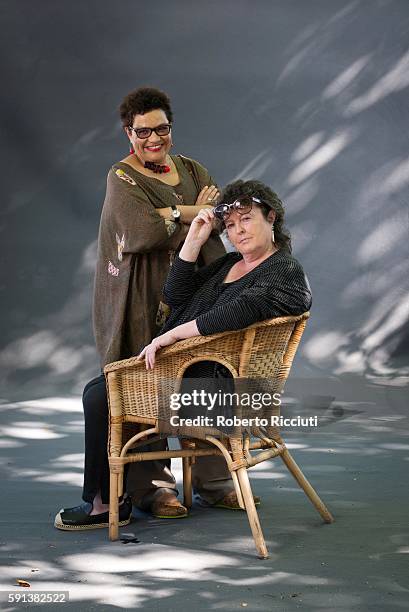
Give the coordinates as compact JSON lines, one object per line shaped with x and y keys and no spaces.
{"x":120,"y":243}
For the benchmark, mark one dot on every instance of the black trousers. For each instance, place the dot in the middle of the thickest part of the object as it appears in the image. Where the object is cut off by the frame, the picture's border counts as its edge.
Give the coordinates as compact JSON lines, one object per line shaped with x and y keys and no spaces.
{"x":96,"y":467}
{"x":152,"y":474}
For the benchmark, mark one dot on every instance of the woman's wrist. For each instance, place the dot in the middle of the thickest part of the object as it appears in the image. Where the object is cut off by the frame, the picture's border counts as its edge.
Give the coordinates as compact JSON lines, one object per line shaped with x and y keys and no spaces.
{"x":183,"y":331}
{"x":190,"y":251}
{"x":173,"y":335}
{"x":166,"y":338}
{"x":187,"y":212}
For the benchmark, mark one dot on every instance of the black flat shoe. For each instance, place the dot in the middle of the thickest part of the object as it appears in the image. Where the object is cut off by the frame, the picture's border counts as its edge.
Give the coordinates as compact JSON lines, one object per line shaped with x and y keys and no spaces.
{"x":80,"y":517}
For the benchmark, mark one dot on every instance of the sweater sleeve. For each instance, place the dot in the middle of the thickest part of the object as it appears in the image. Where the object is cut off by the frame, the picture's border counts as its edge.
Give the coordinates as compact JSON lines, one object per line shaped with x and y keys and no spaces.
{"x":272,"y":295}
{"x":131,"y":216}
{"x":183,"y":280}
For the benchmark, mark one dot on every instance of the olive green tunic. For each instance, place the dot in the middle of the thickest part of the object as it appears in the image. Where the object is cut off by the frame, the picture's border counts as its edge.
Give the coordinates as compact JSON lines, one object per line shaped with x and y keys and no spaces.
{"x":134,"y":252}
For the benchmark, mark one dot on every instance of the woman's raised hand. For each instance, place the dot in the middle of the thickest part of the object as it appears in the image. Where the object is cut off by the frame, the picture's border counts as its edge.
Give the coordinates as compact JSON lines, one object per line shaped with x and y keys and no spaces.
{"x":199,"y":231}
{"x":207,"y":196}
{"x":201,"y":227}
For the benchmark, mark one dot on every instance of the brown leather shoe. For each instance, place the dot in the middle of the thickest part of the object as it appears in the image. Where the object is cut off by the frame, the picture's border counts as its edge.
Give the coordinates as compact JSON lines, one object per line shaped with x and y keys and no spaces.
{"x":167,"y":506}
{"x":230,"y":501}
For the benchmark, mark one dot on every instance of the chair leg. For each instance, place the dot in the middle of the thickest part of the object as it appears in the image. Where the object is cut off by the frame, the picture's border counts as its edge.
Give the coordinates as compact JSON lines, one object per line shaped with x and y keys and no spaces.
{"x":252,"y":513}
{"x":120,"y":484}
{"x":228,"y":459}
{"x":113,"y":506}
{"x":237,"y":489}
{"x":306,"y":487}
{"x":187,"y":481}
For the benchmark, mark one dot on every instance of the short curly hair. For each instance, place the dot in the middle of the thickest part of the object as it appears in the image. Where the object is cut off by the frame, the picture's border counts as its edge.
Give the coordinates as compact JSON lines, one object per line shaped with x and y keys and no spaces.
{"x":270,"y":201}
{"x":141,"y":101}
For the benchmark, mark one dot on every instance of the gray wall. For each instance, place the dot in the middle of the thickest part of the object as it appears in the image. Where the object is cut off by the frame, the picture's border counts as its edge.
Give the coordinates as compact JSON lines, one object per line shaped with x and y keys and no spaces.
{"x":310,"y":97}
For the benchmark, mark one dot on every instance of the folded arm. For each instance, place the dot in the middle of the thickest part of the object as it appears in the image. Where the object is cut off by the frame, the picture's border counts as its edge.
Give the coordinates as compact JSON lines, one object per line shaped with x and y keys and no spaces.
{"x":130,"y":215}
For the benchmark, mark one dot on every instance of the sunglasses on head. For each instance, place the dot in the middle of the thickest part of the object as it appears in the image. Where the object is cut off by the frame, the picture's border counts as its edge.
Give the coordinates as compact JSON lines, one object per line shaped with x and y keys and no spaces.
{"x":145,"y":132}
{"x":243,"y":205}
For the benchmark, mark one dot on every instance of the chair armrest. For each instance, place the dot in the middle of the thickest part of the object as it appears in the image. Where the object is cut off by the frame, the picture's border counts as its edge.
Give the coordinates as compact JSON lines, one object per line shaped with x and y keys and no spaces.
{"x":192,"y":344}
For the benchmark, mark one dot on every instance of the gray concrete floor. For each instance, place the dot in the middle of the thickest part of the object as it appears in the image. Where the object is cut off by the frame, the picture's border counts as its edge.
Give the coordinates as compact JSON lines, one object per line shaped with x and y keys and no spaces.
{"x":357,"y":459}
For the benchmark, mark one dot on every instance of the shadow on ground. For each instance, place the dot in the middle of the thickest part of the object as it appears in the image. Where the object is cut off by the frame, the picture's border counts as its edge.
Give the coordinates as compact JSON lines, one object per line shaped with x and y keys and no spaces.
{"x":355,"y":459}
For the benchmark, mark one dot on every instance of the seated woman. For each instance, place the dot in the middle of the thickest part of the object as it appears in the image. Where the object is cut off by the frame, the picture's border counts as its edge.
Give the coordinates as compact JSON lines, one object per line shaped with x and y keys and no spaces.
{"x":259,"y":281}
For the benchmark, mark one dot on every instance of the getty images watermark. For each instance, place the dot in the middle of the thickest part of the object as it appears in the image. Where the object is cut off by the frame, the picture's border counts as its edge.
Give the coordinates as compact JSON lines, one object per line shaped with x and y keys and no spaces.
{"x":201,"y":408}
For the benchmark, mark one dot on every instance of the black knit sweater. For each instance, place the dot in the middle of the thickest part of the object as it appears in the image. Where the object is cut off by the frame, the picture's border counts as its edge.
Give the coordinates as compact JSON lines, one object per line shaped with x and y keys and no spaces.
{"x":276,"y":287}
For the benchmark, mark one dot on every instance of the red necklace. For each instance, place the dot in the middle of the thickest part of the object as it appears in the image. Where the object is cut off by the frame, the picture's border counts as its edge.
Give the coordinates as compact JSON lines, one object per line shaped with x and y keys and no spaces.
{"x":157,"y":168}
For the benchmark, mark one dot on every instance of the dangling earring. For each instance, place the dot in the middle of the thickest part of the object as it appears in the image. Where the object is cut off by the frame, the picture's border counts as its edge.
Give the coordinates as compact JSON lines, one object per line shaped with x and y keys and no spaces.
{"x":272,"y":234}
{"x":131,"y":149}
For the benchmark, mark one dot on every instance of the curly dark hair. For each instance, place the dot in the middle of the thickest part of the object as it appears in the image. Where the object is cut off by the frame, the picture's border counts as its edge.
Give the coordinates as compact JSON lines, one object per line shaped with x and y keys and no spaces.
{"x":270,"y":201}
{"x":143,"y":100}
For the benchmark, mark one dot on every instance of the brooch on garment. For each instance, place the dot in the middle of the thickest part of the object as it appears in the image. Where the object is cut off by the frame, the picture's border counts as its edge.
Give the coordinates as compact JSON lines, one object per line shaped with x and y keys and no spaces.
{"x":124,"y":176}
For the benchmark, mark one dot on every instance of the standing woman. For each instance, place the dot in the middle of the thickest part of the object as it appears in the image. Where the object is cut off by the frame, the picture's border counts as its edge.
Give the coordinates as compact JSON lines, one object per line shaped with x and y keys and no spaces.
{"x":151,"y":199}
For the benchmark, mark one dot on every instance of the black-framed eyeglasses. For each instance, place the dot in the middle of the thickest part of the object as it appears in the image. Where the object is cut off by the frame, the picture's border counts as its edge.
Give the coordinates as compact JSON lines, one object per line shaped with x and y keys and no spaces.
{"x":145,"y":132}
{"x":243,"y":205}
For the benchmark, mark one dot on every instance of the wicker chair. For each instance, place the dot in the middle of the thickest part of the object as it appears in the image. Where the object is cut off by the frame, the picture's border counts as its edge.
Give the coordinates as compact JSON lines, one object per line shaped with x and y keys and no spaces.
{"x":264,"y":350}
